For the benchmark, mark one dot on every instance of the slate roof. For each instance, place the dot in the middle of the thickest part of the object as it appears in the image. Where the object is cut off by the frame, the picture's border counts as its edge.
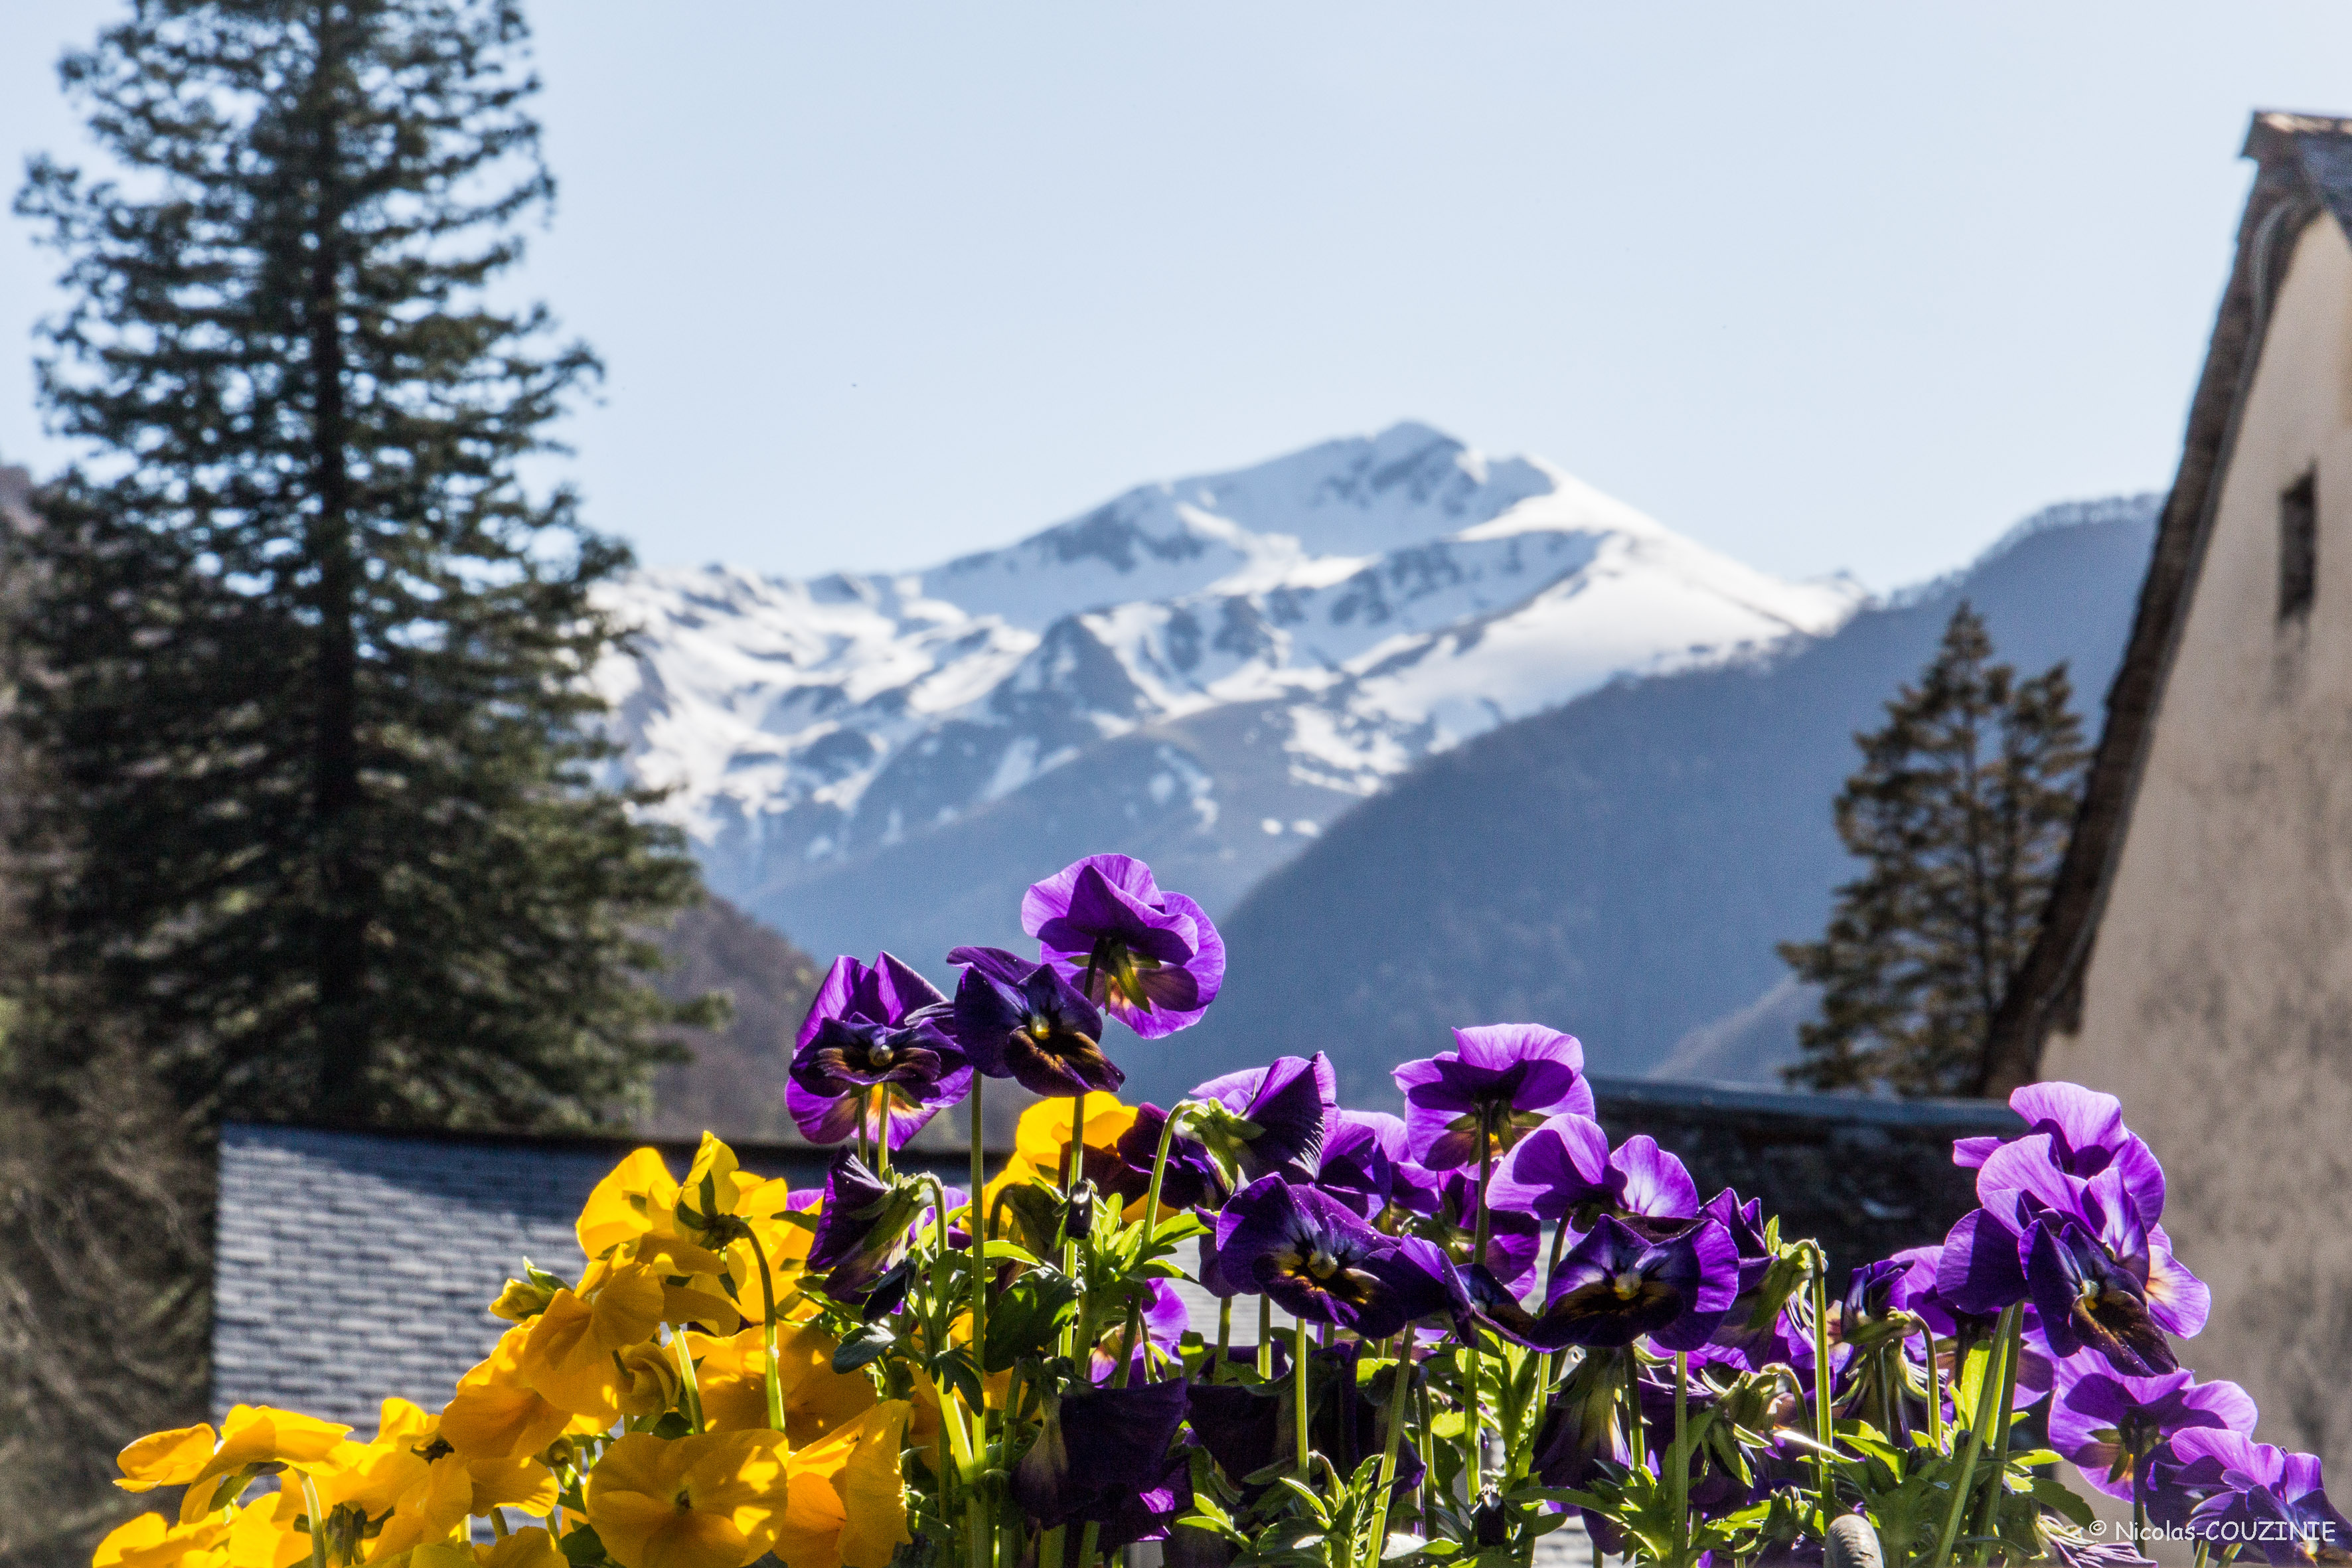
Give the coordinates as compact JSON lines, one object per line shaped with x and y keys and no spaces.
{"x":2304,"y":170}
{"x":352,"y":1266}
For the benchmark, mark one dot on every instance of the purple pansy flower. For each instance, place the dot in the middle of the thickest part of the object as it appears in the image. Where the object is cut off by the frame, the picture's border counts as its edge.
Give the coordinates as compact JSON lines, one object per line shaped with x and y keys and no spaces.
{"x":1616,"y":1285}
{"x":2260,"y":1496}
{"x":2106,"y":1423}
{"x":2088,"y":1299}
{"x":862,"y":1231}
{"x":1917,"y":1294}
{"x":856,"y":1078}
{"x":1740,"y":1341}
{"x":1566,"y":1164}
{"x":1022,"y":1021}
{"x":1869,"y":1311}
{"x":1977,"y":1270}
{"x":1289,"y":1101}
{"x":1149,"y":957}
{"x":1309,"y":1253}
{"x":2083,"y":1551}
{"x":1361,"y":1151}
{"x":1505,"y":1078}
{"x":870,"y":1029}
{"x":1191,"y":1180}
{"x":2087,"y":1135}
{"x":1160,"y":1325}
{"x":1513,"y":1238}
{"x":2098,"y":1271}
{"x":886,"y":991}
{"x":1100,"y":1449}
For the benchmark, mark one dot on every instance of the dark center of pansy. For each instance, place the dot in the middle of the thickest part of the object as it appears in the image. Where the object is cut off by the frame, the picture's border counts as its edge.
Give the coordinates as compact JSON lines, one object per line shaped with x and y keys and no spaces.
{"x":1627,"y":1283}
{"x":880,"y":1056}
{"x":1321,"y":1264}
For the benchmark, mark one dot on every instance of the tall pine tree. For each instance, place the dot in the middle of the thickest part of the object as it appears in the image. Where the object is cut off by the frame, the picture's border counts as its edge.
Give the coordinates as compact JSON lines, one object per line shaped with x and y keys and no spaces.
{"x":304,"y":653}
{"x":1959,"y":812}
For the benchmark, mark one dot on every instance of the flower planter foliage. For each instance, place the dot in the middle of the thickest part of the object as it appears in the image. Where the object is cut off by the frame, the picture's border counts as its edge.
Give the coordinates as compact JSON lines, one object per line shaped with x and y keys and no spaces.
{"x":1498,"y":1321}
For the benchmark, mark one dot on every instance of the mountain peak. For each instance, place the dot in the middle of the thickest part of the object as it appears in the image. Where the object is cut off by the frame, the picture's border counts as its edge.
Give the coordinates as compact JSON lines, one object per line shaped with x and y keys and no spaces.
{"x":1277,"y":640}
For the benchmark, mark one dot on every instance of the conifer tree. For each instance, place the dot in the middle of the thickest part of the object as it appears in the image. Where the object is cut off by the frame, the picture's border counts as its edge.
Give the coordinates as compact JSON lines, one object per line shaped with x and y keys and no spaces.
{"x":305,"y":653}
{"x":1961,"y":811}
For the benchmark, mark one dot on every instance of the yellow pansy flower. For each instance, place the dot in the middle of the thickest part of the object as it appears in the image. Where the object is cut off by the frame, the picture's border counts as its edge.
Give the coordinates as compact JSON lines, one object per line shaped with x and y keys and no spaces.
{"x":151,"y":1540}
{"x":636,"y":1196}
{"x":265,"y":1533}
{"x":717,"y":1191}
{"x":847,"y":1507}
{"x":692,"y":1280}
{"x":524,"y":1549}
{"x":411,"y":1500}
{"x":1041,"y":1142}
{"x":567,"y":1351}
{"x":733,"y":1376}
{"x":520,"y":1482}
{"x":496,"y":1414}
{"x":710,"y":1502}
{"x":530,"y":1548}
{"x":253,"y":1434}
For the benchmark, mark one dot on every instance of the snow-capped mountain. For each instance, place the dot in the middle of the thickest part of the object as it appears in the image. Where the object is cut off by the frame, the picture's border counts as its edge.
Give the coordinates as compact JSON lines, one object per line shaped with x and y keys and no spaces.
{"x":1207,"y":669}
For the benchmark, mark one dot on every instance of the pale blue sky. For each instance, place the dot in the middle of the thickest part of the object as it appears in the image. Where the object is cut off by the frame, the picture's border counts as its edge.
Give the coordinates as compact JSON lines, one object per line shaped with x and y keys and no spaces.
{"x":1824,"y":286}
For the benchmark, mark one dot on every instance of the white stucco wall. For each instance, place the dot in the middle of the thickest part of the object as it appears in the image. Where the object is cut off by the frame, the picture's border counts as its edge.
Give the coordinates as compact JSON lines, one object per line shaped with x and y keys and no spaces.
{"x":2217,"y":1000}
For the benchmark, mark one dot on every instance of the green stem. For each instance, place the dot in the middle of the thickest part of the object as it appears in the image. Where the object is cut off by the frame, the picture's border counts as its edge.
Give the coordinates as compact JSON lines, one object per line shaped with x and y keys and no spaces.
{"x":1934,"y":1391}
{"x":1073,"y":1161}
{"x":1426,"y":1510}
{"x":687,"y":1382}
{"x":1472,"y":1422}
{"x":1546,"y":1367}
{"x":768,"y":1335}
{"x":1639,"y":1439}
{"x":1265,"y":1338}
{"x":1087,"y":1540}
{"x":1988,"y":1523}
{"x":1400,"y":1389}
{"x":1823,"y":1431}
{"x":979,"y":1527}
{"x":1298,"y":1391}
{"x":1485,"y":1173}
{"x":1150,"y":1231}
{"x":1984,"y":1411}
{"x":1225,"y":1338}
{"x":1479,"y":1234}
{"x":878,"y":1107}
{"x":1678,"y":1461}
{"x":317,"y":1521}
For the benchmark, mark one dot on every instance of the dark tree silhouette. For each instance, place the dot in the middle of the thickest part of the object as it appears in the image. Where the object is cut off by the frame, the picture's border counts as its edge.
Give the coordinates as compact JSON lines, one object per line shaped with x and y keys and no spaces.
{"x":1959,"y":812}
{"x":305,"y":654}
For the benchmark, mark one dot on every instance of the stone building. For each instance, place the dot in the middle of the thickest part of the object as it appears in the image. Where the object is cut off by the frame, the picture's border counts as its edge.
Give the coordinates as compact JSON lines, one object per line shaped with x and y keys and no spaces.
{"x":2196,"y":958}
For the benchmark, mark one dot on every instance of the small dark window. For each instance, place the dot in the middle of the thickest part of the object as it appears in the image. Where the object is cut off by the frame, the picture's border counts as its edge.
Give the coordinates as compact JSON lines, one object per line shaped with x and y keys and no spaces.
{"x":2298,"y":545}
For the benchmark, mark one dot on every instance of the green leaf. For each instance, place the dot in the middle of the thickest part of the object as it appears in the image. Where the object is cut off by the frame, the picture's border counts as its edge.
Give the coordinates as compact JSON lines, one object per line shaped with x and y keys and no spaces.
{"x":1306,"y":1495}
{"x":864,"y":1343}
{"x":582,"y":1546}
{"x":1011,"y":1252}
{"x":1026,"y":1318}
{"x":2060,"y":1500}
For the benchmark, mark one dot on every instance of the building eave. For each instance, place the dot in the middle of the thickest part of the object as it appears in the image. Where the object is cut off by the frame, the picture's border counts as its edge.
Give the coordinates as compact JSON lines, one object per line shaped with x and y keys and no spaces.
{"x":2303,"y":168}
